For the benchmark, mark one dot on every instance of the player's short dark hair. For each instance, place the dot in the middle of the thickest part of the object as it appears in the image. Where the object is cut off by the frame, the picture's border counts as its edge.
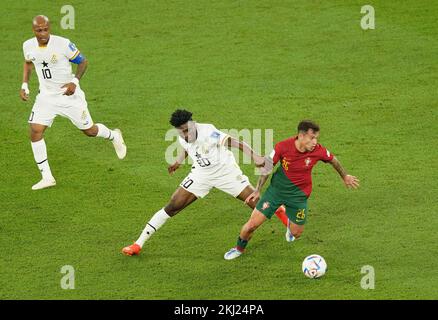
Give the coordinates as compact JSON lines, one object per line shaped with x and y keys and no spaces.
{"x":179,"y":117}
{"x":305,"y":125}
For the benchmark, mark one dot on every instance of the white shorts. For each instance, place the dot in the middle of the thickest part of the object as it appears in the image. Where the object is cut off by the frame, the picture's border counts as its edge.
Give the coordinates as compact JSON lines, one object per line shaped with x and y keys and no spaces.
{"x":74,"y":107}
{"x":229,"y":179}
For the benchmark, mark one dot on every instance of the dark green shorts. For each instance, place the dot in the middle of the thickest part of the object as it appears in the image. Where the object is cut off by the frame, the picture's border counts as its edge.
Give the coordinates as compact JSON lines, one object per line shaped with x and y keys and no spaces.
{"x":296,"y":211}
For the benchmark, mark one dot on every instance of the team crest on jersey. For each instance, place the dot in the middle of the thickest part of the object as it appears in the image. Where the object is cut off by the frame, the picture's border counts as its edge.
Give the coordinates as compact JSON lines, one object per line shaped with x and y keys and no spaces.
{"x":204,"y":148}
{"x":84,"y":115}
{"x":215,"y":135}
{"x":266,"y":205}
{"x":307,"y":161}
{"x":54,"y":59}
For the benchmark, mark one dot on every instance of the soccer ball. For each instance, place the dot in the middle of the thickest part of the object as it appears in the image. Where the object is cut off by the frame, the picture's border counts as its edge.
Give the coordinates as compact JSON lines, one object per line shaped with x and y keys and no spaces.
{"x":314,"y":266}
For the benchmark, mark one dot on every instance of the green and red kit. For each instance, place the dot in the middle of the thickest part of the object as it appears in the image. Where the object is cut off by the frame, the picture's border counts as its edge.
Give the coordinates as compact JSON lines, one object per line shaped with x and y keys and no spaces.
{"x":291,"y":184}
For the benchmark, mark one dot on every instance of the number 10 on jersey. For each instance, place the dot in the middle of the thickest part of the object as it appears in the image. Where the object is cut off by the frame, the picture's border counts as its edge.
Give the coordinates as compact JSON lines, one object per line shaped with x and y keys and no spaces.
{"x":46,"y":73}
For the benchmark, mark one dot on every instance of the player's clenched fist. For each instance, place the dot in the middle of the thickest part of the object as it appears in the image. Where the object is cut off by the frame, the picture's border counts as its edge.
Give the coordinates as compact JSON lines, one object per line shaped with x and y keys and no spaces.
{"x":24,"y":91}
{"x":71,"y":88}
{"x":253,"y":197}
{"x":24,"y":95}
{"x":259,"y":161}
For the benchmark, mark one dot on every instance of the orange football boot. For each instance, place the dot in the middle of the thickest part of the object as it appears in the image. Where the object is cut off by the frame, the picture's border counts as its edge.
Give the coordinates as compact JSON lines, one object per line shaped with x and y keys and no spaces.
{"x":132,"y":250}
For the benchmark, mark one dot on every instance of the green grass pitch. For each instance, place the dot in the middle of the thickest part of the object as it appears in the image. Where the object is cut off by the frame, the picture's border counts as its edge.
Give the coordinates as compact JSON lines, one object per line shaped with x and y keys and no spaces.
{"x":236,"y":64}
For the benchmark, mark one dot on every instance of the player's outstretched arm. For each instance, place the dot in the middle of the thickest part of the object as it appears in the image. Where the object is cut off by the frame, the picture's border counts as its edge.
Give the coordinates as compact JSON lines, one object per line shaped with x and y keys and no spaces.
{"x":265,"y":171}
{"x":80,"y":70}
{"x":27,"y":70}
{"x":349,"y":180}
{"x":181,"y":157}
{"x":255,"y":196}
{"x":245,"y":148}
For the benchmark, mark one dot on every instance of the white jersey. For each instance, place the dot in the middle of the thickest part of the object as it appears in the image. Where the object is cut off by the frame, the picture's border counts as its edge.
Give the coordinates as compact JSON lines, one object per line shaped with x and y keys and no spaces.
{"x":52,"y":62}
{"x":208,"y":152}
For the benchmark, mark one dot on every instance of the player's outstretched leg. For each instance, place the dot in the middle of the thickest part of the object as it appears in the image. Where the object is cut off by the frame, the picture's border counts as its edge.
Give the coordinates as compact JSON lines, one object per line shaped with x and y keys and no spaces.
{"x":157,"y":221}
{"x":256,"y":220}
{"x":115,"y":136}
{"x":40,"y":155}
{"x":179,"y":200}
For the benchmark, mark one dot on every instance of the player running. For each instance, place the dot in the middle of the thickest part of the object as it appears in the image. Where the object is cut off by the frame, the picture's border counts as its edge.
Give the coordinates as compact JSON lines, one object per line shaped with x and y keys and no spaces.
{"x":213,"y":166}
{"x":59,"y":94}
{"x":291,"y":184}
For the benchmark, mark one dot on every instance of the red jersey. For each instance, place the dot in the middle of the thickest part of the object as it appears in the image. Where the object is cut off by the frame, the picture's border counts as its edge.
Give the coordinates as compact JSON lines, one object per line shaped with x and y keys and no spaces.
{"x":294,"y":176}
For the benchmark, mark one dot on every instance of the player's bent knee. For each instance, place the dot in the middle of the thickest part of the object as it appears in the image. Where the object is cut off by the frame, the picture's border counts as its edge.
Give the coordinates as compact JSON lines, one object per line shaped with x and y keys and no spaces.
{"x":36,"y":137}
{"x":35,"y":134}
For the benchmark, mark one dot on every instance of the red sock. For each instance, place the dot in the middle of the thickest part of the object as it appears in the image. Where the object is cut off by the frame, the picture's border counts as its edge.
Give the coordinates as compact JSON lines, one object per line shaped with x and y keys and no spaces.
{"x":281,"y":214}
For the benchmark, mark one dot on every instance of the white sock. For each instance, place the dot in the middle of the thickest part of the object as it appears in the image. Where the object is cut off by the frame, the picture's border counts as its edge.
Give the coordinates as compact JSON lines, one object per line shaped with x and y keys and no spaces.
{"x":40,"y":155}
{"x":152,"y":226}
{"x":104,"y":132}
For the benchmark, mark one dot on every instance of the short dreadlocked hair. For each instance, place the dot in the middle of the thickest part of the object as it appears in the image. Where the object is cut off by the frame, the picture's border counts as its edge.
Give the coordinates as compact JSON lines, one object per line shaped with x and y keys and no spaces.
{"x":179,"y":117}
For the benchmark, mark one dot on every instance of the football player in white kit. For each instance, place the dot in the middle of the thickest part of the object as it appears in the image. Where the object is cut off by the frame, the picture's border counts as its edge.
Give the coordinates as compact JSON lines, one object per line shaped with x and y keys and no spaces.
{"x":59,"y":94}
{"x":214,"y":166}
